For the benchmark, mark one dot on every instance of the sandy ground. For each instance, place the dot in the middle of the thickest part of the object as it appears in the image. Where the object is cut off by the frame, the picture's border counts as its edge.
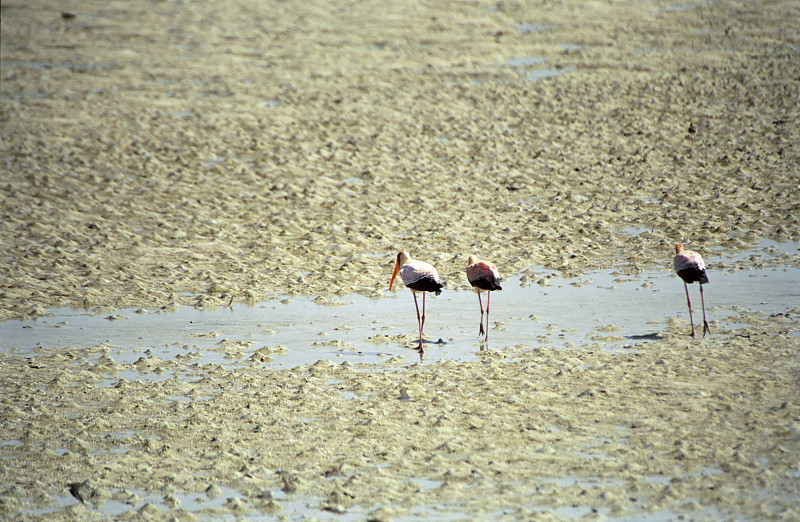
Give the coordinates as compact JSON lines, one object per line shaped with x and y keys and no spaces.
{"x":174,"y":153}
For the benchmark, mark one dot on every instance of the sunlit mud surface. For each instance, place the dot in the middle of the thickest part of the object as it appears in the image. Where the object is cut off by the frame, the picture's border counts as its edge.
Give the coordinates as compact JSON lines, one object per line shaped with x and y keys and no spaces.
{"x":161,"y":159}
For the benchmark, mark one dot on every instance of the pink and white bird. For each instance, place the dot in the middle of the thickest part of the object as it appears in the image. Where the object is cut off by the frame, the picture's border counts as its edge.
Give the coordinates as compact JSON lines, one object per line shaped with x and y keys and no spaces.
{"x":418,"y":276}
{"x":690,"y":267}
{"x":483,"y":276}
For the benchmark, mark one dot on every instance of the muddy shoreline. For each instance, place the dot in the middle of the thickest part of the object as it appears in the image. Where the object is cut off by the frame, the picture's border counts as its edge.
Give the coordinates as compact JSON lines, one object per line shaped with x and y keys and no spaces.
{"x":185,"y":154}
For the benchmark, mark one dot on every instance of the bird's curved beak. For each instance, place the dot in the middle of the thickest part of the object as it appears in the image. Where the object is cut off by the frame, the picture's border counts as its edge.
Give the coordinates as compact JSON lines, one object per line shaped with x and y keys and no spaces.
{"x":394,"y":274}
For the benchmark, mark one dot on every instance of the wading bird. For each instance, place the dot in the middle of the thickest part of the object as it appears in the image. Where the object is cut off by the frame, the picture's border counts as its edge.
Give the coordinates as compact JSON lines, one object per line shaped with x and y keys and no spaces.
{"x":483,"y":277}
{"x":418,"y":276}
{"x":690,"y":267}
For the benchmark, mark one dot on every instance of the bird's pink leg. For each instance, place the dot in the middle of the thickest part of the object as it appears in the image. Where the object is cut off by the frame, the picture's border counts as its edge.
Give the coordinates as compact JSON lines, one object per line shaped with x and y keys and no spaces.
{"x":488,"y":296}
{"x":419,"y":322}
{"x":689,"y":302}
{"x":705,"y":323}
{"x":422,"y":323}
{"x":481,"y":305}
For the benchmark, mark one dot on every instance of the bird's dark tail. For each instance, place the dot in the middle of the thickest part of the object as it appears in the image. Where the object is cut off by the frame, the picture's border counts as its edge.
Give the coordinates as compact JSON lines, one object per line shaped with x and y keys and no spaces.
{"x":427,"y":284}
{"x":486,"y":283}
{"x":691,"y":275}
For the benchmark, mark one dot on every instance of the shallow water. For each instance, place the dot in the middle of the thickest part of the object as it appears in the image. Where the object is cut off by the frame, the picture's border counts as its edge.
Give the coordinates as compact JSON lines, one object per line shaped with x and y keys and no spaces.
{"x":131,"y":500}
{"x":540,"y":74}
{"x":602,"y":310}
{"x":526,"y":64}
{"x":527,"y":28}
{"x":526,"y":61}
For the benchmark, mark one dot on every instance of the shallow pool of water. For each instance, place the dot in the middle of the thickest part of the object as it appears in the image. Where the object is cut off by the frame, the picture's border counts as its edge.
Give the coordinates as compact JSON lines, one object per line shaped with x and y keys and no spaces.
{"x":604,"y":310}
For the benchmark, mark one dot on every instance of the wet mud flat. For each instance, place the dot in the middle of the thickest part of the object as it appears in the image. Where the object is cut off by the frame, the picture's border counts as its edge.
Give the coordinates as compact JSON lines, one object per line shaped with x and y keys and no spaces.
{"x":183,"y":154}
